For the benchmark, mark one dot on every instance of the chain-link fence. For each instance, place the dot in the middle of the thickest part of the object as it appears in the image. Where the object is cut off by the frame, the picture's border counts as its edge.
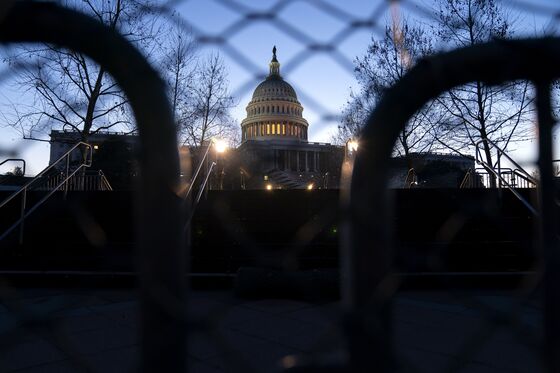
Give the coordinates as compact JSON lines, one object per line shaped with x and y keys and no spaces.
{"x":366,"y":331}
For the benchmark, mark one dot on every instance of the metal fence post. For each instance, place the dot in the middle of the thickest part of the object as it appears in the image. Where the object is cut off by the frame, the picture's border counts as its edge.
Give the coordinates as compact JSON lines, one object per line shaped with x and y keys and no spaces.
{"x":160,"y":240}
{"x":548,"y":229}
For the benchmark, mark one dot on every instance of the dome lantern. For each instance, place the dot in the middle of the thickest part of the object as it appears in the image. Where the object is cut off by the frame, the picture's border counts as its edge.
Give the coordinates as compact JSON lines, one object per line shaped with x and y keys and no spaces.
{"x":274,"y":64}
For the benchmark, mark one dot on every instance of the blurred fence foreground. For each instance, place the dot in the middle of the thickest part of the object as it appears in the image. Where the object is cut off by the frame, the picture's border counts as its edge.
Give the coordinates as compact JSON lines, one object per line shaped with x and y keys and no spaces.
{"x":367,"y":279}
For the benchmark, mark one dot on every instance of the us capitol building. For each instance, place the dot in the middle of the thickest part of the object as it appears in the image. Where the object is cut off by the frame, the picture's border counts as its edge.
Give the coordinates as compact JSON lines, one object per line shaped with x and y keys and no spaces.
{"x":275,"y":153}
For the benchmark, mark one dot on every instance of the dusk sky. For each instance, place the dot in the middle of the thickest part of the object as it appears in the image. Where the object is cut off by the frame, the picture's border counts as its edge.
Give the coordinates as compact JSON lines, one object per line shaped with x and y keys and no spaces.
{"x":322,"y":80}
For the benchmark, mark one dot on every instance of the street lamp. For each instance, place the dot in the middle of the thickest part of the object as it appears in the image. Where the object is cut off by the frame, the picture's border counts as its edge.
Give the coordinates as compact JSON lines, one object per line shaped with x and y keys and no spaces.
{"x":350,"y":151}
{"x":352,"y":146}
{"x":220,"y":145}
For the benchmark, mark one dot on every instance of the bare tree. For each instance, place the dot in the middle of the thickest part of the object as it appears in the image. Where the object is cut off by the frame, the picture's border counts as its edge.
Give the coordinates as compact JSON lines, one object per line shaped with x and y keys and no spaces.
{"x":70,"y":91}
{"x":476,"y":111}
{"x":385,"y":62}
{"x":178,"y":68}
{"x":17,"y":171}
{"x":208,"y":114}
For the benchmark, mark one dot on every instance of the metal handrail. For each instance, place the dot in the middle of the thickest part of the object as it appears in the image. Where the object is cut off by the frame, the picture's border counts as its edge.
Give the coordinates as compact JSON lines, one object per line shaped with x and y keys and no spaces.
{"x":515,"y":176}
{"x":15,"y":160}
{"x":410,"y":179}
{"x":480,"y":160}
{"x":23,"y":190}
{"x":200,"y":191}
{"x":521,"y":174}
{"x":42,"y":173}
{"x":195,"y":176}
{"x":498,"y":174}
{"x":105,"y":181}
{"x":467,"y":178}
{"x":515,"y":192}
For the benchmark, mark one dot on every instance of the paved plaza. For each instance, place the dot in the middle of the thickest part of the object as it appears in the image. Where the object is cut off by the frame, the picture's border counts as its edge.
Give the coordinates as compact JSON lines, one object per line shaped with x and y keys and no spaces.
{"x":68,"y":330}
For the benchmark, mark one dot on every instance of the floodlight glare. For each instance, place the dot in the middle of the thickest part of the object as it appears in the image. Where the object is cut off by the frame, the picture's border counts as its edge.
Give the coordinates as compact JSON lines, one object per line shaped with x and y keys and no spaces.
{"x":220,"y":145}
{"x":352,"y":145}
{"x":310,"y":186}
{"x":268,"y":186}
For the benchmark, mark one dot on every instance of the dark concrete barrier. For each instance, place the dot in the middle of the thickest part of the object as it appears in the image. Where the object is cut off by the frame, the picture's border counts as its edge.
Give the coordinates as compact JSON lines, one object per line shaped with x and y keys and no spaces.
{"x":436,"y":230}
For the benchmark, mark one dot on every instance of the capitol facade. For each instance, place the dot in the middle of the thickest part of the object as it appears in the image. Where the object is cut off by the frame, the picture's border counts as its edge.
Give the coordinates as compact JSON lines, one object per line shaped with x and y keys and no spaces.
{"x":275,"y":152}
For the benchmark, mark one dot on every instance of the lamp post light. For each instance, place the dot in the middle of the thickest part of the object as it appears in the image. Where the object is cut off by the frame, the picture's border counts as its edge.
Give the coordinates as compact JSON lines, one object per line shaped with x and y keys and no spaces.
{"x":220,"y":146}
{"x":351,"y":147}
{"x":350,"y":150}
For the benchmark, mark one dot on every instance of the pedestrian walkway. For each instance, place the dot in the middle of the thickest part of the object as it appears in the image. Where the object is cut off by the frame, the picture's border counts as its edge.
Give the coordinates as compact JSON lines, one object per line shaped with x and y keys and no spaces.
{"x":62,"y":330}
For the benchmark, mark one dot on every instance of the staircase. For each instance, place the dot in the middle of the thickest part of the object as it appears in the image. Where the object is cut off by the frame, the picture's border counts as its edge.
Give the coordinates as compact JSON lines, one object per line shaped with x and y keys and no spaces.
{"x":287,"y":180}
{"x":64,"y":174}
{"x":495,"y":176}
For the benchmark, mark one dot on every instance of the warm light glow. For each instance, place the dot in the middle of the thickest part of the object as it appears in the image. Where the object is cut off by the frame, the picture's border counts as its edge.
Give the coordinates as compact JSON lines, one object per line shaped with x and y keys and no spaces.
{"x":268,"y":186}
{"x":310,"y":186}
{"x":220,"y":145}
{"x":352,"y":145}
{"x":96,"y":147}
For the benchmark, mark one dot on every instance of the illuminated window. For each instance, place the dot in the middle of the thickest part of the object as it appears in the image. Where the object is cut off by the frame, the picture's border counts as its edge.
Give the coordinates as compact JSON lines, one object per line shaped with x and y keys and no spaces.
{"x":268,"y":129}
{"x":283,"y":129}
{"x":278,"y":128}
{"x":273,"y":129}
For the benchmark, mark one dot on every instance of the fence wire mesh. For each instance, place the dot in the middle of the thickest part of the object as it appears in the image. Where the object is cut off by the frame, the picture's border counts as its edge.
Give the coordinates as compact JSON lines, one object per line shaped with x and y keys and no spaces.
{"x":42,"y":319}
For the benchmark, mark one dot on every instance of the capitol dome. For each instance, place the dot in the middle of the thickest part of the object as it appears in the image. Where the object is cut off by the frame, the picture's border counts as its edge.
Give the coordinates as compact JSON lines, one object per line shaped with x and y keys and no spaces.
{"x":274,"y":111}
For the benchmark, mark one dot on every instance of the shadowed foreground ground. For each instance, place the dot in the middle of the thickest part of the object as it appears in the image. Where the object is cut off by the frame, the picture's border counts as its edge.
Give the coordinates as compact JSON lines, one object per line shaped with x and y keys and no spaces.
{"x":97,"y":329}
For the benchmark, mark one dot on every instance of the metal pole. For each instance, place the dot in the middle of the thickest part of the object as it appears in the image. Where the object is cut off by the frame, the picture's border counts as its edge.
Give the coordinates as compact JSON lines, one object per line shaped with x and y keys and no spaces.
{"x":195,"y":175}
{"x":22,"y":215}
{"x":67,"y":171}
{"x":499,"y":168}
{"x":205,"y":187}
